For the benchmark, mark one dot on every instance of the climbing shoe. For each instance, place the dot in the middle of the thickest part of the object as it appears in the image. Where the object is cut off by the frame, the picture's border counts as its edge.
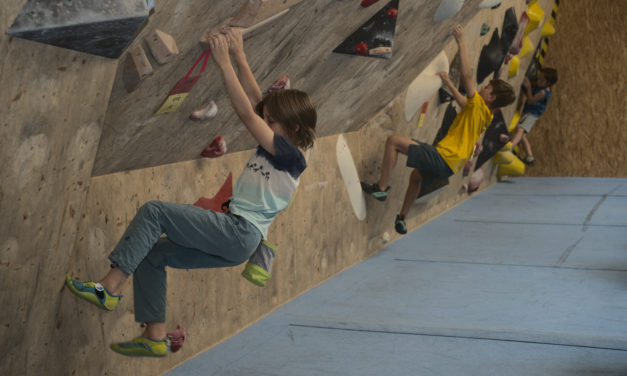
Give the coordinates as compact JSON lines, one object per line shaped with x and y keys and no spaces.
{"x":375,"y":191}
{"x":529,"y":161}
{"x":143,"y":346}
{"x":399,"y":225}
{"x":94,"y":293}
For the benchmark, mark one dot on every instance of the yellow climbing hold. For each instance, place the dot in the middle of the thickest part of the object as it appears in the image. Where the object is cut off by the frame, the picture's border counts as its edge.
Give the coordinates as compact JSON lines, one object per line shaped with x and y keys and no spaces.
{"x":536,"y":15}
{"x":513,"y":67}
{"x":514,"y":122}
{"x":527,"y":47}
{"x":547,"y":30}
{"x":515,"y":168}
{"x":504,"y":157}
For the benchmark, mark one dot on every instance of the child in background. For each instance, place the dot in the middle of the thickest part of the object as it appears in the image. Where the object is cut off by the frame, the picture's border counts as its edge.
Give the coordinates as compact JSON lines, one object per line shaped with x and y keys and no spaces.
{"x":450,"y":154}
{"x":535,"y":97}
{"x":281,"y":123}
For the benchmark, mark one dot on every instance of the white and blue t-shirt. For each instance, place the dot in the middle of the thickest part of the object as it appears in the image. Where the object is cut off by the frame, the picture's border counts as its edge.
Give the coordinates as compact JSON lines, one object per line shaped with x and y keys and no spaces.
{"x":267,"y":184}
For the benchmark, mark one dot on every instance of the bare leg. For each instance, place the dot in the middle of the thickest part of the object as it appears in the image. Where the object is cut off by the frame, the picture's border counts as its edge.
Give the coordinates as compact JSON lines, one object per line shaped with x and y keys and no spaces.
{"x":526,"y":145}
{"x":393,"y":146}
{"x":519,"y":133}
{"x":114,"y":280}
{"x":155,"y":330}
{"x":415,"y":181}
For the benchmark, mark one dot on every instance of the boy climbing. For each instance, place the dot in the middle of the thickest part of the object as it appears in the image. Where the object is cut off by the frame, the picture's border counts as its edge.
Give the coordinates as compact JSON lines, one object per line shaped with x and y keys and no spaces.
{"x":449,"y":155}
{"x":534,"y":96}
{"x":282,"y":122}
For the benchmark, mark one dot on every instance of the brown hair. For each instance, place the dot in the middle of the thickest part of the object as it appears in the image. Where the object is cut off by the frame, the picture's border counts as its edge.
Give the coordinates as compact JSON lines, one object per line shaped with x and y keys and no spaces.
{"x":294,"y":110}
{"x":503,"y":93}
{"x":550,"y":75}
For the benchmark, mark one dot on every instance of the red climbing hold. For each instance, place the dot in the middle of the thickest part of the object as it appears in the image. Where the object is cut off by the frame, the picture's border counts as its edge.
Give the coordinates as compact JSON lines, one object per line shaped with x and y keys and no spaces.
{"x":392,"y":12}
{"x":215,"y":149}
{"x":367,"y":3}
{"x":177,"y":338}
{"x":361,"y":49}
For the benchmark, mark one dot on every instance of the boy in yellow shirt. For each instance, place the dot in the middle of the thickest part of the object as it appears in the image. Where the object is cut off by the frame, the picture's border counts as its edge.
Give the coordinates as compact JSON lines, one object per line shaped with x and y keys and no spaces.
{"x":451,"y":153}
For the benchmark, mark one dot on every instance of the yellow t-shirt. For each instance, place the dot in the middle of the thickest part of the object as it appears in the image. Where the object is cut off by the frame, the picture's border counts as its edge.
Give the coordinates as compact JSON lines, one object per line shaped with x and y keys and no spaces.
{"x":456,"y":147}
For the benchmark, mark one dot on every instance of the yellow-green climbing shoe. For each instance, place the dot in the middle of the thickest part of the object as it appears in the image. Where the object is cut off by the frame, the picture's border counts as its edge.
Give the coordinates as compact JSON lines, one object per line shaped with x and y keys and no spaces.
{"x":94,"y":293}
{"x":143,"y":346}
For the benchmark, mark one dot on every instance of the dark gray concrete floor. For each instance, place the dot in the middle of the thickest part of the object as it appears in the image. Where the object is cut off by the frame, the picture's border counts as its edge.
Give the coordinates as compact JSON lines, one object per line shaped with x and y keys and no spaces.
{"x":527,"y":278}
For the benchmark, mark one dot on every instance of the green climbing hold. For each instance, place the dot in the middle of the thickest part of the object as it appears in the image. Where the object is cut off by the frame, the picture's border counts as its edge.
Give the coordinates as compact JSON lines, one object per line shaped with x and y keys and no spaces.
{"x":484,"y":29}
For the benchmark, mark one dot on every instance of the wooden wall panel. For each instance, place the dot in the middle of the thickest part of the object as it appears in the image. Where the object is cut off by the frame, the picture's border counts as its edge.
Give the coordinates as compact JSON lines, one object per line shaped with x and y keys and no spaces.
{"x":299,"y":43}
{"x":582,"y":132}
{"x":52,"y":106}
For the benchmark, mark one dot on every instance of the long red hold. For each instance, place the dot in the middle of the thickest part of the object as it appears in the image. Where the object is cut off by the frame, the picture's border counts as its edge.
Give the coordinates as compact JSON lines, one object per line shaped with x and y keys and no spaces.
{"x":367,"y":3}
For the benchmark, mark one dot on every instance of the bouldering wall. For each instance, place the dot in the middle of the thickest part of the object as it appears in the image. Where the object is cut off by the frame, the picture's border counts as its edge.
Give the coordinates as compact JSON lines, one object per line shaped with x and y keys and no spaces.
{"x":52,"y":108}
{"x":299,"y":43}
{"x":582,"y":132}
{"x":56,"y":219}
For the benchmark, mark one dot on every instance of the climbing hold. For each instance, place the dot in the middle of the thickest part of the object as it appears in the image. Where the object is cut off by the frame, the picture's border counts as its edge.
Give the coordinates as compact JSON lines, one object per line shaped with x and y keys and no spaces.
{"x":467,"y":167}
{"x":514,"y":122}
{"x":447,"y":9}
{"x":177,"y":338}
{"x":377,"y":32}
{"x":536,"y":15}
{"x":475,"y":181}
{"x":489,"y":4}
{"x":518,"y":41}
{"x":103,"y":28}
{"x":367,"y":3}
{"x":136,"y":68}
{"x":444,"y":95}
{"x":425,"y":85}
{"x":484,"y":29}
{"x":346,"y":163}
{"x":492,"y":140}
{"x":513,"y":67}
{"x":392,"y":12}
{"x":205,"y":113}
{"x":361,"y":49}
{"x":423,"y":111}
{"x":547,"y":30}
{"x":215,"y":203}
{"x":380,"y":51}
{"x":478,"y":149}
{"x":510,"y":31}
{"x":385,"y":237}
{"x":162,"y":46}
{"x":216,"y":148}
{"x":182,"y":88}
{"x":504,"y":157}
{"x":447,"y":121}
{"x":491,"y":57}
{"x":515,"y":168}
{"x":280,"y":83}
{"x":527,"y":47}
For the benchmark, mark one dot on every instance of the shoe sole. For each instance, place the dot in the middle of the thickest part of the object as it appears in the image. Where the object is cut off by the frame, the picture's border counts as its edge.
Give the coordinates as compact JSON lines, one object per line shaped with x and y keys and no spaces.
{"x":146,"y":355}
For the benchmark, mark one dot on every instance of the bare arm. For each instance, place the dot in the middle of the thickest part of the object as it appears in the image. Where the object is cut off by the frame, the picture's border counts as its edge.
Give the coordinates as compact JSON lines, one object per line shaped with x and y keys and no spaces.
{"x":530,"y":98}
{"x":240,"y":101}
{"x":244,"y":74}
{"x":459,"y":98}
{"x":466,"y":70}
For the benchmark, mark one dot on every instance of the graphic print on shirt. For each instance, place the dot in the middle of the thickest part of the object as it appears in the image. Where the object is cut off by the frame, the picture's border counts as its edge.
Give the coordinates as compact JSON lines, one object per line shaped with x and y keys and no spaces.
{"x":258,"y":168}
